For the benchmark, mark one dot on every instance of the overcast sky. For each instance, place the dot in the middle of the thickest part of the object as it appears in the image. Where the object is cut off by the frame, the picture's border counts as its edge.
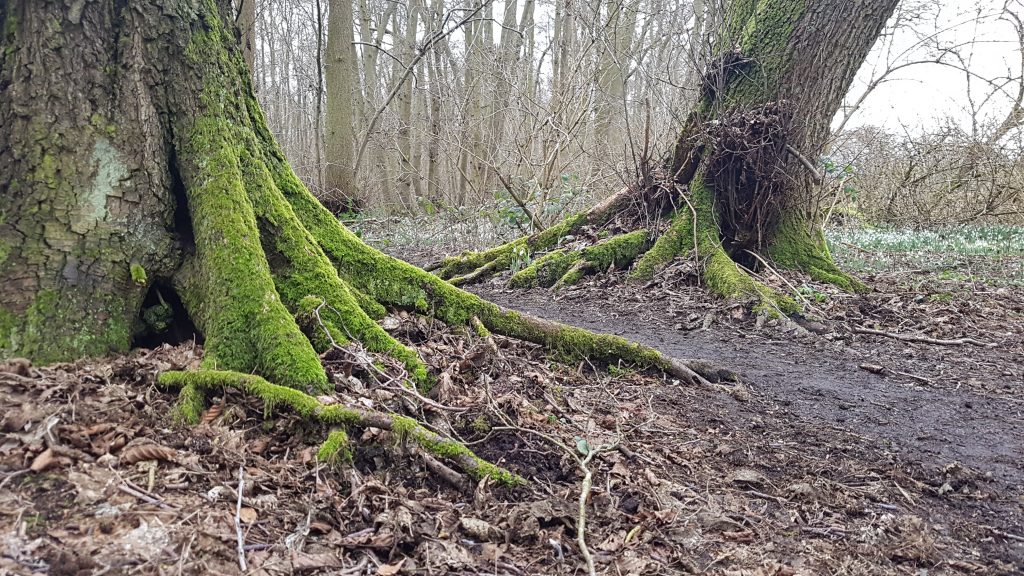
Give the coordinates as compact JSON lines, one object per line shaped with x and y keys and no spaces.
{"x":921,"y":95}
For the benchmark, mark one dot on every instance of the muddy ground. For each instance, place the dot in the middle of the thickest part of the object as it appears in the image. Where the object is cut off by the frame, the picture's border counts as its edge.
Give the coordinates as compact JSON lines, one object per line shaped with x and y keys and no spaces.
{"x":841,"y":452}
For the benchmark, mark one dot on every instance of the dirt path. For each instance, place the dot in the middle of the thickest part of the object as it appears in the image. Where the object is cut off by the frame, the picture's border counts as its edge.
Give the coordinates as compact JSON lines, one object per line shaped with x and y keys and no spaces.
{"x":822,"y":385}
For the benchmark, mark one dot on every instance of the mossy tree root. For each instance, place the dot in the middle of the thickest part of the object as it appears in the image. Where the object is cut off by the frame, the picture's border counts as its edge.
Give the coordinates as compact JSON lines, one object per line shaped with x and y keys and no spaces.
{"x":274,"y":278}
{"x":692,"y":230}
{"x":564,"y":267}
{"x":800,"y":247}
{"x":577,"y":343}
{"x":335,"y":448}
{"x":473,"y":266}
{"x":255,"y":267}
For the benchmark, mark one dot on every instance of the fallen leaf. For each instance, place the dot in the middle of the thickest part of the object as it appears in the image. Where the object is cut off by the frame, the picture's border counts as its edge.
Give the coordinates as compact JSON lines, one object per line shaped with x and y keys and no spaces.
{"x":480,"y":530}
{"x":748,"y":477}
{"x":306,"y":562}
{"x":43,"y":461}
{"x":248,"y":515}
{"x":143,"y":452}
{"x":390,"y":569}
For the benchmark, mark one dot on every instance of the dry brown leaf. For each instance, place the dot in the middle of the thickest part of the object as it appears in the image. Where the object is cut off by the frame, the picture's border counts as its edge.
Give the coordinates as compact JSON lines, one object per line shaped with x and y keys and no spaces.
{"x":306,"y":562}
{"x":965,"y":566}
{"x":143,"y":452}
{"x":480,"y":530}
{"x":614,"y":541}
{"x":43,"y":461}
{"x":320,"y":527}
{"x":248,"y":515}
{"x":620,"y":469}
{"x":211,"y":414}
{"x":739,"y":536}
{"x":369,"y":539}
{"x":390,"y":569}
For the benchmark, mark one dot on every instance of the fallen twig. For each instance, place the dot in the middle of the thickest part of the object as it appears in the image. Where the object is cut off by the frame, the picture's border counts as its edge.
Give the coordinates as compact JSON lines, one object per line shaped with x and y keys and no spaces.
{"x":1007,"y":535}
{"x":143,"y":496}
{"x":310,"y":407}
{"x":585,"y":486}
{"x":924,"y":339}
{"x":238,"y":520}
{"x":883,"y":371}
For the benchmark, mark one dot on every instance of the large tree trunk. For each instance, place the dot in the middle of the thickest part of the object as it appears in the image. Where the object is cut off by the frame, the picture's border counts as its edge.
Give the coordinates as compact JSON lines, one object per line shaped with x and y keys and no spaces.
{"x":741,"y":185}
{"x":786,"y":65}
{"x":89,"y":193}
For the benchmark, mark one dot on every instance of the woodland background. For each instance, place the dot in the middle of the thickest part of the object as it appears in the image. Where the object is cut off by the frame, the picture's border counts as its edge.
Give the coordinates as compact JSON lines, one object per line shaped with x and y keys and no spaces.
{"x":534,"y":108}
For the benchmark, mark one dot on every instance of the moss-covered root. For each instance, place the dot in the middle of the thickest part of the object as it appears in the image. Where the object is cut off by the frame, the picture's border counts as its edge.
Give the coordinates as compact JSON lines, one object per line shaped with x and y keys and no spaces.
{"x":475,"y":266}
{"x":579,"y":343}
{"x":567,"y":267}
{"x":336,"y":449}
{"x":307,"y":406}
{"x":471,"y":266}
{"x":695,"y":226}
{"x":802,"y":247}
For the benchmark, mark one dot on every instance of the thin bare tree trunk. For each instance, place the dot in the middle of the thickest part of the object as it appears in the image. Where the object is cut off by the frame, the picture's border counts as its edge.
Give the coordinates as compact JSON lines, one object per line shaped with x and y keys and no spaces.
{"x":340,"y":73}
{"x":408,"y":172}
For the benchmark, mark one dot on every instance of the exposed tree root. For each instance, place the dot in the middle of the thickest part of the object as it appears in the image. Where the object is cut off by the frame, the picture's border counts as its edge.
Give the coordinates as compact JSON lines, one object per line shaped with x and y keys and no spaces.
{"x":272,"y":279}
{"x":924,"y":339}
{"x":336,"y":445}
{"x":690,"y":230}
{"x":720,"y":205}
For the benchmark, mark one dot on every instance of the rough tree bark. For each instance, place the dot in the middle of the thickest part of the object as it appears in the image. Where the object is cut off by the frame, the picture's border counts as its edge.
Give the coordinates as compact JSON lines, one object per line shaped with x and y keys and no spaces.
{"x":135,"y":157}
{"x":741,"y":179}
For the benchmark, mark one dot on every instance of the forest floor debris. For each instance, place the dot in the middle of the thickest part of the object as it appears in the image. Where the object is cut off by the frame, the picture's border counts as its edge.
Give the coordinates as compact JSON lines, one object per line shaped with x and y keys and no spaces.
{"x":825,"y":468}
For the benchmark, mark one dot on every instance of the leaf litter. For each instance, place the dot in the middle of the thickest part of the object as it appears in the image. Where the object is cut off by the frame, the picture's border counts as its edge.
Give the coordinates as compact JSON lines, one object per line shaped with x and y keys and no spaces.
{"x":693,"y":482}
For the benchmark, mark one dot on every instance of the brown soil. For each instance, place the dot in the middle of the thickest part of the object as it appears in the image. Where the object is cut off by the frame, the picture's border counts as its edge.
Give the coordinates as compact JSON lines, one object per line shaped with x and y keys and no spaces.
{"x":822,"y":467}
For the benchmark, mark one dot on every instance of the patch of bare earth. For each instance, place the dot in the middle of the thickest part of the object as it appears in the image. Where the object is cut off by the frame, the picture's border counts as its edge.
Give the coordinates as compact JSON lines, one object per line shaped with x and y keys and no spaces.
{"x":821,"y":467}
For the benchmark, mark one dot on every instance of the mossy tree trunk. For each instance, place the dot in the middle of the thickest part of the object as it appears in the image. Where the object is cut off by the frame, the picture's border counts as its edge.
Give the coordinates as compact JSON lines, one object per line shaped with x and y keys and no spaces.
{"x":767,"y":104}
{"x":85,"y":176}
{"x":135,"y":154}
{"x":741,"y":185}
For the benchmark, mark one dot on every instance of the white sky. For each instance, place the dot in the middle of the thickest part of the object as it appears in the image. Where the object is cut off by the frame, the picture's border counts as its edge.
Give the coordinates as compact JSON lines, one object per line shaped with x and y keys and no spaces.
{"x":922,"y":95}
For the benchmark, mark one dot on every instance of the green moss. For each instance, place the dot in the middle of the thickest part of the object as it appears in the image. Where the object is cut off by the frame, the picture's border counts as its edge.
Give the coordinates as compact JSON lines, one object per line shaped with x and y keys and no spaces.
{"x":190,"y":405}
{"x":158,"y":318}
{"x":46,"y":171}
{"x":763,"y":31}
{"x":545,"y":270}
{"x":138,"y":273}
{"x":403,"y":426}
{"x":504,"y":256}
{"x":372,"y":308}
{"x":480,"y":425}
{"x":8,"y":328}
{"x":800,"y":246}
{"x":479,"y":328}
{"x":300,"y":269}
{"x":232,"y":295}
{"x":567,"y":267}
{"x":677,"y":240}
{"x":336,"y":449}
{"x":65,"y":326}
{"x":306,"y":406}
{"x":406,"y":428}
